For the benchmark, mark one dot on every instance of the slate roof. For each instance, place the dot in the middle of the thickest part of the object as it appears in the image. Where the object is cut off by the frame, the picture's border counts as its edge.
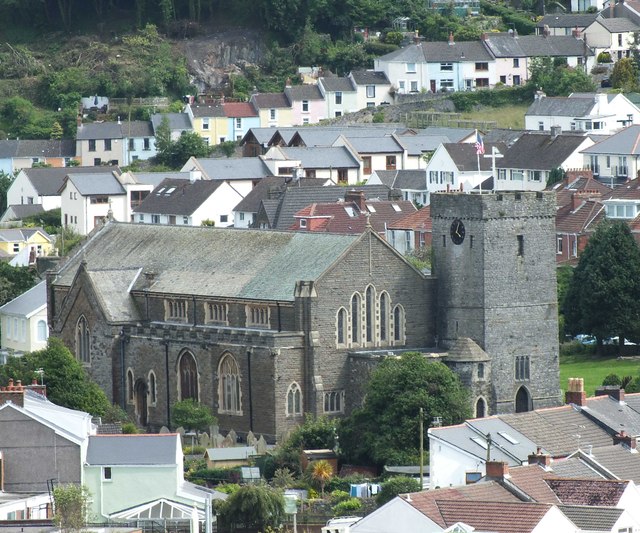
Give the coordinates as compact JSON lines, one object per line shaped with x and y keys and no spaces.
{"x":28,"y":302}
{"x":229,"y":168}
{"x":178,"y":197}
{"x":99,"y":130}
{"x":558,"y":430}
{"x":20,"y":211}
{"x":270,"y":100}
{"x":381,"y":145}
{"x":207,"y":111}
{"x":110,"y":288}
{"x":8,"y":148}
{"x":296,"y":198}
{"x":222,"y":262}
{"x":591,"y":492}
{"x":418,"y":221}
{"x":624,"y":142}
{"x":370,"y":77}
{"x":177,"y":121}
{"x":341,"y":84}
{"x":47,"y":181}
{"x":617,"y":24}
{"x":614,"y":415}
{"x":574,"y":467}
{"x":417,"y":145}
{"x":321,"y":156}
{"x":415,"y":180}
{"x":21,"y":234}
{"x":137,"y":128}
{"x":465,"y":51}
{"x":588,"y":518}
{"x":575,"y":107}
{"x":297,"y":93}
{"x":584,"y":184}
{"x":239,"y":109}
{"x":498,"y":517}
{"x":130,"y":450}
{"x":271,"y":186}
{"x":97,"y":183}
{"x":505,"y":45}
{"x":466,"y":160}
{"x":230,"y":454}
{"x":537,"y":151}
{"x":465,"y":349}
{"x":455,"y":135}
{"x":581,"y":20}
{"x":155,"y":178}
{"x":617,"y":460}
{"x":413,"y":53}
{"x":40,"y":148}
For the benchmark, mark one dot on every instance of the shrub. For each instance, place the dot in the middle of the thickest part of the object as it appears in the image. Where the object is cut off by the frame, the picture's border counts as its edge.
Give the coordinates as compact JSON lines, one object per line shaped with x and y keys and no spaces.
{"x":338,"y":496}
{"x":604,"y":57}
{"x":347,"y":506}
{"x":612,"y":379}
{"x":129,"y":428}
{"x":396,"y":485}
{"x":343,"y":483}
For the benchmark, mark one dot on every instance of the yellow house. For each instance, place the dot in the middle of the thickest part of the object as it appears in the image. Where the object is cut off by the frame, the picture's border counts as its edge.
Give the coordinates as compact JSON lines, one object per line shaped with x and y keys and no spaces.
{"x":33,"y":242}
{"x":210,"y":122}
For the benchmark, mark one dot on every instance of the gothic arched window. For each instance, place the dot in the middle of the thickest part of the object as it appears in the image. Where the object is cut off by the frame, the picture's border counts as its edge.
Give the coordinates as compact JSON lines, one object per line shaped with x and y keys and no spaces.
{"x":294,"y":400}
{"x":355,"y":318}
{"x":188,"y":376}
{"x":83,"y":341}
{"x":229,"y":386}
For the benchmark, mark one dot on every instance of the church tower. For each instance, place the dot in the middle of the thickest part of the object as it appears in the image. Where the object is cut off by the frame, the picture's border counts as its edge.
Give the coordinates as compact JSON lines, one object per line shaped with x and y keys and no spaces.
{"x":494,"y":257}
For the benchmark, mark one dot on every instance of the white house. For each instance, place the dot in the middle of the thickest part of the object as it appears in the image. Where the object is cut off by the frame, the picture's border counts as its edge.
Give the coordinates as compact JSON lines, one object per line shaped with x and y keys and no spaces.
{"x":613,"y":35}
{"x":600,"y":113}
{"x":615,"y":159}
{"x":372,"y":88}
{"x":24,"y":322}
{"x":89,"y":199}
{"x":340,"y":96}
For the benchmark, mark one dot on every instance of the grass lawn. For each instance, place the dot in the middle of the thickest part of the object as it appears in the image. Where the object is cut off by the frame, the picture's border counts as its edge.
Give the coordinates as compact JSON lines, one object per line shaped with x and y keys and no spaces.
{"x":506,"y":117}
{"x":594,"y":369}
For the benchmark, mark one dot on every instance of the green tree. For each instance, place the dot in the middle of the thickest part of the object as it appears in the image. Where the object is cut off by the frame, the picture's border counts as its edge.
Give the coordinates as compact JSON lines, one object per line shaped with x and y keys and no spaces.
{"x":191,"y":414}
{"x":555,"y":78}
{"x":70,"y":506}
{"x":252,"y":507}
{"x":397,"y":485}
{"x":321,"y":472}
{"x":603,"y":297}
{"x":56,"y":130}
{"x":386,"y":429}
{"x":176,"y":153}
{"x":67,"y":382}
{"x":14,"y":281}
{"x":625,"y":75}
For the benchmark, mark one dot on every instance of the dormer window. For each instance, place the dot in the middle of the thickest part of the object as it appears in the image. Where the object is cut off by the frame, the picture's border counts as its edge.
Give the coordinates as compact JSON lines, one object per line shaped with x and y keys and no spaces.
{"x":303,"y":222}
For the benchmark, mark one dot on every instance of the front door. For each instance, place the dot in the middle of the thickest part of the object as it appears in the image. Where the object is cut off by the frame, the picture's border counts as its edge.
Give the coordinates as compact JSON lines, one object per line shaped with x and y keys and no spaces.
{"x":523,"y":400}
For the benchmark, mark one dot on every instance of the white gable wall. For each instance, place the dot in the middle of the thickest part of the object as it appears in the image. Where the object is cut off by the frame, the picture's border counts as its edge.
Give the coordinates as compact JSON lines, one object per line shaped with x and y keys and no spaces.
{"x":449,"y":465}
{"x":554,"y":521}
{"x":393,"y":517}
{"x":22,"y":191}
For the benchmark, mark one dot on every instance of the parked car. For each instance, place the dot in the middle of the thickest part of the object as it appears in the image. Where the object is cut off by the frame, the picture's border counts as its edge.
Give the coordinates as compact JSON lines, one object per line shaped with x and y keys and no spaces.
{"x":615,"y":341}
{"x":585,"y":339}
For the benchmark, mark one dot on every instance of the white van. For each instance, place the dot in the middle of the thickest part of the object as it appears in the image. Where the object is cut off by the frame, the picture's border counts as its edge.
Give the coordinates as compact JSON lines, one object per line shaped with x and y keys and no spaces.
{"x":340,"y":524}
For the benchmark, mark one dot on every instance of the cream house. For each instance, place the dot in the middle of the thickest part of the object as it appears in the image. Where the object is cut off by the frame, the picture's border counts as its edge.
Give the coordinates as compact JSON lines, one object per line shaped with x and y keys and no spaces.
{"x":24,"y":322}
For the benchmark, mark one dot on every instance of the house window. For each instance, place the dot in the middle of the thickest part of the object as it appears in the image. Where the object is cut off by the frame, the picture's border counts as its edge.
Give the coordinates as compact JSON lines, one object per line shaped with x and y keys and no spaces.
{"x":410,"y":67}
{"x":224,"y":219}
{"x":146,"y":143}
{"x":175,"y":310}
{"x":384,"y":317}
{"x":92,"y":145}
{"x":516,"y":80}
{"x":517,"y":175}
{"x":559,"y":245}
{"x":337,"y":114}
{"x":503,"y":79}
{"x":137,"y":197}
{"x":83,"y":340}
{"x":355,"y":318}
{"x":188,"y":376}
{"x":310,"y":173}
{"x":343,"y":175}
{"x":99,"y":199}
{"x":414,"y":86}
{"x":155,"y":219}
{"x":619,"y":39}
{"x":132,"y":144}
{"x":305,"y":121}
{"x":366,"y":165}
{"x":446,"y":67}
{"x":272,"y":114}
{"x":516,"y":62}
{"x":185,"y":220}
{"x":205,"y":124}
{"x":294,"y":400}
{"x":398,"y":324}
{"x":341,"y":327}
{"x":107,"y":145}
{"x":42,"y":333}
{"x":16,"y":247}
{"x":446,"y":85}
{"x":480,"y":370}
{"x":535,"y":175}
{"x":401,"y":86}
{"x":153,"y":390}
{"x":502,"y":173}
{"x":522,"y":367}
{"x":257,"y":316}
{"x":371,"y":91}
{"x":106,"y":473}
{"x":433,"y":176}
{"x":338,"y":98}
{"x":303,"y":222}
{"x":229,"y":398}
{"x":482,"y":66}
{"x":238,"y":123}
{"x":216,"y":313}
{"x":334,"y":401}
{"x":540,"y":125}
{"x":305,"y":106}
{"x":391,"y":162}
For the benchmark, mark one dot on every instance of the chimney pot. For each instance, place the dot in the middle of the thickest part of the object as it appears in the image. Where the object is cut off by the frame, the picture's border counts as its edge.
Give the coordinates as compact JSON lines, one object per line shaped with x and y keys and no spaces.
{"x":626,"y":440}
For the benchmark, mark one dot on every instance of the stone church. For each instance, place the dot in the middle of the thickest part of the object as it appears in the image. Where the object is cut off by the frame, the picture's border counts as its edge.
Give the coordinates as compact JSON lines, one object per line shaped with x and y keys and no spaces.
{"x":267,"y":326}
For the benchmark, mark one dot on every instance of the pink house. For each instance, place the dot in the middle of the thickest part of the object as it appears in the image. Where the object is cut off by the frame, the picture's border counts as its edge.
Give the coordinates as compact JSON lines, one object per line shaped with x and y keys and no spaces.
{"x":307,"y":104}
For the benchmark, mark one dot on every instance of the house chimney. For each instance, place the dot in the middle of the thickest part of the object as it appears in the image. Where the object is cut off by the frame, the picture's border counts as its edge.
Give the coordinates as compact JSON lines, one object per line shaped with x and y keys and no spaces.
{"x":615,"y":393}
{"x":451,"y":41}
{"x":576,"y":394}
{"x":484,"y":36}
{"x":539,"y":458}
{"x":416,"y":37}
{"x":356,"y":197}
{"x":611,"y":9}
{"x":12,"y":393}
{"x":626,"y":440}
{"x":79,"y":120}
{"x":555,"y":131}
{"x":194,"y":175}
{"x":576,"y":32}
{"x":497,"y":469}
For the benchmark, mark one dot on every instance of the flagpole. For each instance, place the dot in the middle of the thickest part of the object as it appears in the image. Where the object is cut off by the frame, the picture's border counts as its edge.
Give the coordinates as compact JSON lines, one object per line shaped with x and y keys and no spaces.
{"x":478,"y":158}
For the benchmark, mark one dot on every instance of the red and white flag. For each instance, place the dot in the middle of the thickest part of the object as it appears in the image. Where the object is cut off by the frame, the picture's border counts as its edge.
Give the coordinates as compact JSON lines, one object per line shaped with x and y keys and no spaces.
{"x":479,"y":144}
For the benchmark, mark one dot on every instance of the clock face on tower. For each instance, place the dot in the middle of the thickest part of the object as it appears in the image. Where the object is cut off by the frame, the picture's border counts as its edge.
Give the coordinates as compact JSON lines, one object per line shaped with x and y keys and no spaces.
{"x":457,"y":231}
